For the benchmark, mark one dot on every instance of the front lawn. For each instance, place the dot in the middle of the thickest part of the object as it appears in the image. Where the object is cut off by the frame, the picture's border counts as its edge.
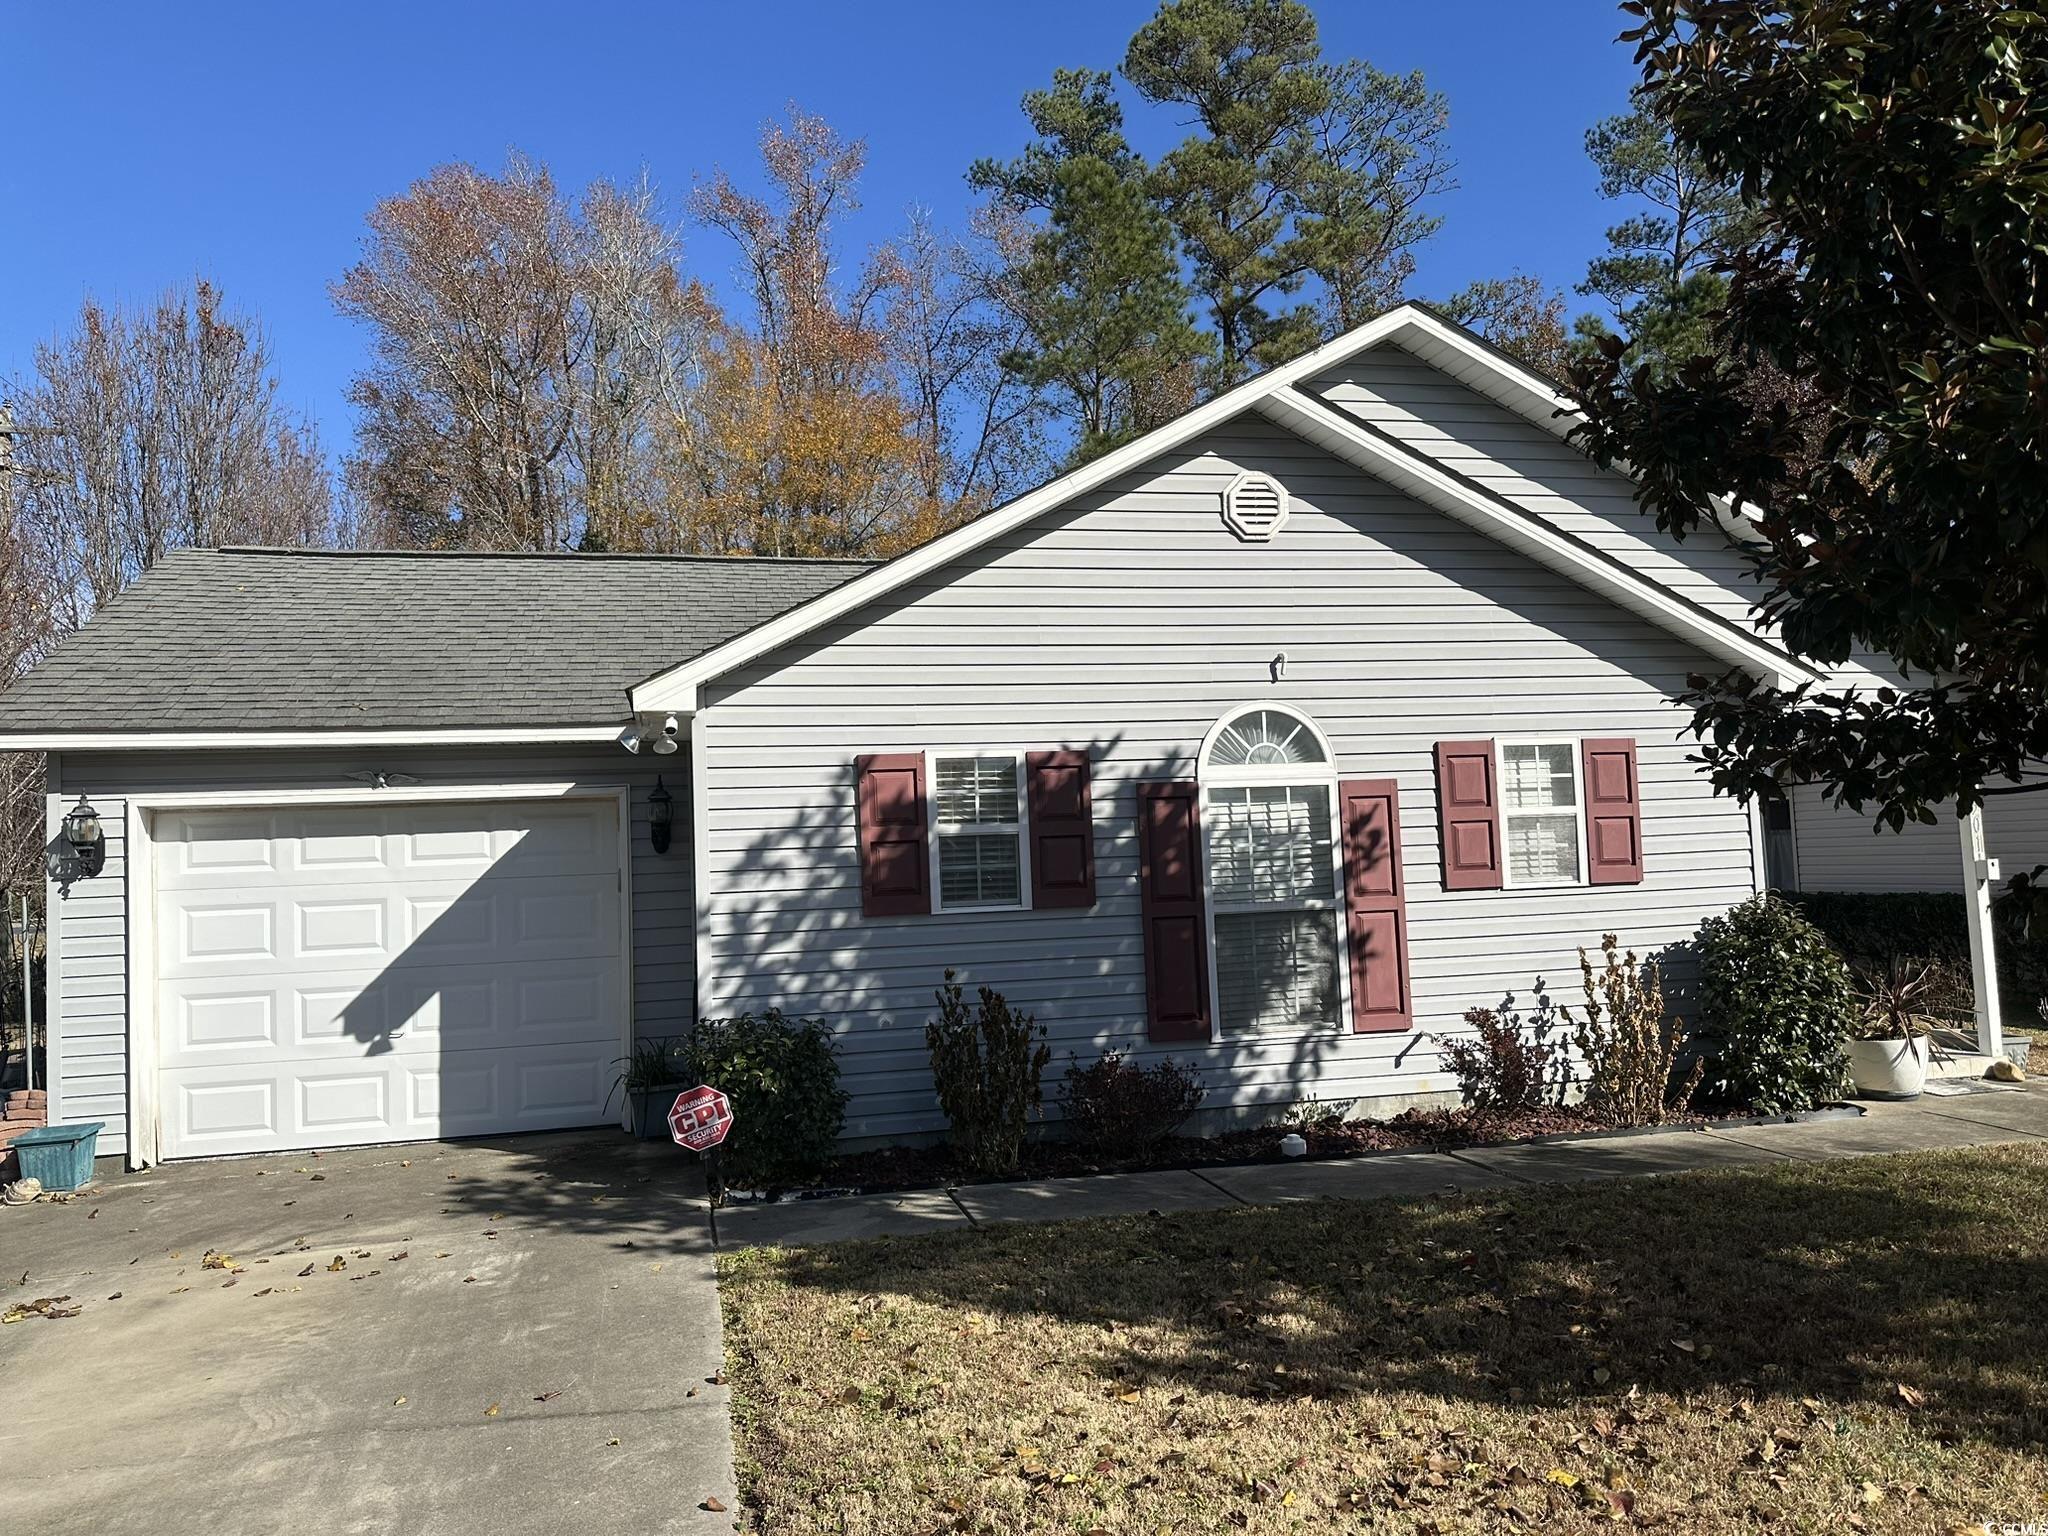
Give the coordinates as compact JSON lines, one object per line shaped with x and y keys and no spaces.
{"x":1851,"y":1346}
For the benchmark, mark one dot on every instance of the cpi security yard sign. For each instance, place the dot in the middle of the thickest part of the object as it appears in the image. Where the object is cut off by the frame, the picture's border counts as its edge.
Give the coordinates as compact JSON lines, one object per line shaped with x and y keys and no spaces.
{"x":700,"y":1118}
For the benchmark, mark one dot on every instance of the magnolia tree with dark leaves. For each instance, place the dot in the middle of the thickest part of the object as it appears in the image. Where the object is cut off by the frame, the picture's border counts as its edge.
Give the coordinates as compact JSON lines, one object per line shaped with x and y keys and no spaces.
{"x":1894,"y":157}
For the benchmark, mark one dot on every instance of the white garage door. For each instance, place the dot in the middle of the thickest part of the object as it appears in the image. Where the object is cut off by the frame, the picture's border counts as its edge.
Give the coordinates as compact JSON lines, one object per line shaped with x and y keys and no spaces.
{"x":347,"y":974}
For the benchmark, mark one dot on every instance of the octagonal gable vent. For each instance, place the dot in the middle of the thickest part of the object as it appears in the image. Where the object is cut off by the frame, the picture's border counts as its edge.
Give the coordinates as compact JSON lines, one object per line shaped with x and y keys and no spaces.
{"x":1255,"y":507}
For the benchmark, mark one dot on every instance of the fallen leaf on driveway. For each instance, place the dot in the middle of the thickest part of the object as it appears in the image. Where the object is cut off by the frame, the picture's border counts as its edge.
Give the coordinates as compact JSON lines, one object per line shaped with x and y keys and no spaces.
{"x":398,"y":1402}
{"x":491,"y":1412}
{"x":547,"y":1397}
{"x":711,"y":1503}
{"x":42,"y":1306}
{"x":115,"y":1297}
{"x":338,"y":1265}
{"x":215,"y":1259}
{"x":305,"y":1272}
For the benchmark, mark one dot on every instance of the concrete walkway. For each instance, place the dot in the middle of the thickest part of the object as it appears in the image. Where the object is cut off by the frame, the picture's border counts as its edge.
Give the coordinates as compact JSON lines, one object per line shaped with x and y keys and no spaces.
{"x":1983,"y":1115}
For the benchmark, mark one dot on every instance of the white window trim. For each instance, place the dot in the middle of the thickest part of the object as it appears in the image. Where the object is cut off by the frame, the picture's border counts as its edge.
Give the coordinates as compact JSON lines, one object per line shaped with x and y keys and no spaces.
{"x":1273,"y":775}
{"x":1508,"y":882}
{"x":1022,"y":829}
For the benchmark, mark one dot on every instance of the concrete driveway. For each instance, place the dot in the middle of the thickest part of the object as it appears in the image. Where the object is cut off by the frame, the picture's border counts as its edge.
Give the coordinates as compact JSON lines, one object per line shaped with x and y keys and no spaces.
{"x":505,"y":1337}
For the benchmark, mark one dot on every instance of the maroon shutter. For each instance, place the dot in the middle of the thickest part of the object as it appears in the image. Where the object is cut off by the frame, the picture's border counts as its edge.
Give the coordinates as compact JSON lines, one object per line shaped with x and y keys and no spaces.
{"x":1062,"y":833}
{"x":1375,"y":903}
{"x":1470,"y":808}
{"x":895,"y":859}
{"x":1614,"y":812}
{"x":1170,"y":877}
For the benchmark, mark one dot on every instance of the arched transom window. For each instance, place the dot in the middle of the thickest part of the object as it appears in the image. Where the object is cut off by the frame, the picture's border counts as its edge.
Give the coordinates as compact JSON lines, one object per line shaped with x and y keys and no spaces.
{"x":1269,"y":789}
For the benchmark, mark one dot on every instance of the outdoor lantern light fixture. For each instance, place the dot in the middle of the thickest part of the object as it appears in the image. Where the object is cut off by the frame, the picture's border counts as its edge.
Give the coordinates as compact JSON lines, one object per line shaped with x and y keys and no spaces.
{"x":661,"y":816}
{"x":88,"y":840}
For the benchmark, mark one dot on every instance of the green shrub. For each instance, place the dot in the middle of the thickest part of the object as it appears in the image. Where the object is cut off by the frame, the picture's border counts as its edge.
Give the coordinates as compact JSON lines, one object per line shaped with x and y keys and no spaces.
{"x":782,"y":1076}
{"x":1510,"y":1065}
{"x":1120,"y":1110}
{"x":987,"y":1062}
{"x":1629,"y":1044}
{"x":1776,"y":1008}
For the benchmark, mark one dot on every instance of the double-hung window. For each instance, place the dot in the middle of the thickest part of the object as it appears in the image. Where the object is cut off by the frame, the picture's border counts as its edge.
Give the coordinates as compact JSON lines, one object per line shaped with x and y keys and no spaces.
{"x":977,"y":830}
{"x":1269,"y":791}
{"x":1542,"y":813}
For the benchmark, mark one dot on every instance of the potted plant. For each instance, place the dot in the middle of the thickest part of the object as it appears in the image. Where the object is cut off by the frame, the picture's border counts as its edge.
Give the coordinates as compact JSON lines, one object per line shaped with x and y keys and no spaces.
{"x":650,"y":1080}
{"x":1888,"y":1056}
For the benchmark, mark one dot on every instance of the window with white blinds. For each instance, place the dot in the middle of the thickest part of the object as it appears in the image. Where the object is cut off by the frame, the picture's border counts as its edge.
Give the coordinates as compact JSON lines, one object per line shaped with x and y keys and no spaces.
{"x":1269,"y":830}
{"x":978,"y":830}
{"x":1269,"y":843}
{"x":1541,"y":810}
{"x":1276,"y":969}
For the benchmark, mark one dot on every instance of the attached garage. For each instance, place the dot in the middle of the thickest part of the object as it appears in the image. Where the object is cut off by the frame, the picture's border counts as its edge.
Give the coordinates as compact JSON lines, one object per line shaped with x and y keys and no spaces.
{"x":337,"y":974}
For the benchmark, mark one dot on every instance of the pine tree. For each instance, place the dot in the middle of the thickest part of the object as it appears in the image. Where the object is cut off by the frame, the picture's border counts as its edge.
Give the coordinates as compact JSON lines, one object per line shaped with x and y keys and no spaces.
{"x":1303,"y":171}
{"x":1658,"y":276}
{"x":1094,"y":277}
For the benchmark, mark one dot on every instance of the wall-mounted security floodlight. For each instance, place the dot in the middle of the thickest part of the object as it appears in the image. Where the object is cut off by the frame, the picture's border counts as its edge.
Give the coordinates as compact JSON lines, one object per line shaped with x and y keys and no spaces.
{"x":629,"y":738}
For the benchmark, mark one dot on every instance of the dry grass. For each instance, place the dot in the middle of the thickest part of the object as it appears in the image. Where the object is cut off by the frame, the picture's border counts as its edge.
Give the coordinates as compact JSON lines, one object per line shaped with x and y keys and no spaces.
{"x":1852,"y":1346}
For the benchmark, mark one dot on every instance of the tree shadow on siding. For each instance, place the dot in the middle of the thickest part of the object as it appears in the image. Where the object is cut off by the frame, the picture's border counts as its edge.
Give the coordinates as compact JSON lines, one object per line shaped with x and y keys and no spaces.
{"x":789,"y":918}
{"x":1835,"y":1283}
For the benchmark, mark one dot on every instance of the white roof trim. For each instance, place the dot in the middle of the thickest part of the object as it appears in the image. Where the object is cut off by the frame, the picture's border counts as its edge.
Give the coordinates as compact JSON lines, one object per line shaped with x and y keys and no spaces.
{"x":1530,"y":535}
{"x":182,"y":741}
{"x":1419,"y":330}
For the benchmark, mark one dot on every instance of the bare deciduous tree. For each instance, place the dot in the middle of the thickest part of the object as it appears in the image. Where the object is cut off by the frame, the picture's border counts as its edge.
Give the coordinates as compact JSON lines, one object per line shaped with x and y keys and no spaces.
{"x":24,"y":631}
{"x":984,"y":432}
{"x":524,"y":344}
{"x":147,"y":431}
{"x":136,"y":433}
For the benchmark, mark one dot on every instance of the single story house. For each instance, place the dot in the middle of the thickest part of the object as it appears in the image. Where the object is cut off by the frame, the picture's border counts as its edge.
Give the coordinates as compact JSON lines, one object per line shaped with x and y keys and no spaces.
{"x":1272,"y":741}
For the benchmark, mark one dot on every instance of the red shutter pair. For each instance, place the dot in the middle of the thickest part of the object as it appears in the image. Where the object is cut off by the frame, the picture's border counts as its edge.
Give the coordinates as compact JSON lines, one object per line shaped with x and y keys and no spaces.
{"x":1468,"y":797}
{"x":1176,"y":927}
{"x":895,"y":832}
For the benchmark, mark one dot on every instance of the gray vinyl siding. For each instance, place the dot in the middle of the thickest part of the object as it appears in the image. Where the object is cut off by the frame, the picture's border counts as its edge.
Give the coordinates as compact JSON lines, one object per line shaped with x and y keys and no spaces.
{"x":89,"y":982}
{"x":1840,"y":850}
{"x":1127,"y":624}
{"x":1462,"y":429}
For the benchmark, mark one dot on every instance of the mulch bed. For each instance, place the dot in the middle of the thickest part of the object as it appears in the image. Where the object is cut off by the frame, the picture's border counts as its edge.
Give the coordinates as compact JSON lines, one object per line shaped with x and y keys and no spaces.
{"x":886,"y":1169}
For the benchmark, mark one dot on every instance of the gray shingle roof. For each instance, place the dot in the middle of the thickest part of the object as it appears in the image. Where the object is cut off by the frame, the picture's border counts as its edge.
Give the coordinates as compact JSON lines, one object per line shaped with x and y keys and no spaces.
{"x":246,"y":639}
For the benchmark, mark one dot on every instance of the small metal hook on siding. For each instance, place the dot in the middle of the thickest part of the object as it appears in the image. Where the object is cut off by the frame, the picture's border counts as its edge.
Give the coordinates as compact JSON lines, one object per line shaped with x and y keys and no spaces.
{"x":1278,"y":665}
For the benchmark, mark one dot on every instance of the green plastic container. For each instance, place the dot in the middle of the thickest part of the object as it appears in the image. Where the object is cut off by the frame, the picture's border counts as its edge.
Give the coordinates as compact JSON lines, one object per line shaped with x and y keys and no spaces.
{"x":59,"y":1156}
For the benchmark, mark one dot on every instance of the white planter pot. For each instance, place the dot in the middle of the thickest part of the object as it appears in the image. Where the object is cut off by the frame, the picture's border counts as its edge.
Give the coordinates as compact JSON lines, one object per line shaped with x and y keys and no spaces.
{"x":1888,"y":1069}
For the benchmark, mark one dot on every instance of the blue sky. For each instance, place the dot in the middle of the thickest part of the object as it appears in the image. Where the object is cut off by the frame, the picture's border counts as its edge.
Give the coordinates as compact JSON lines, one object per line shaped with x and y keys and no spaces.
{"x":148,"y":143}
